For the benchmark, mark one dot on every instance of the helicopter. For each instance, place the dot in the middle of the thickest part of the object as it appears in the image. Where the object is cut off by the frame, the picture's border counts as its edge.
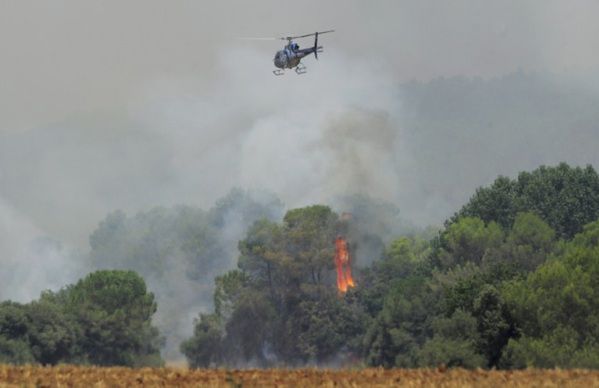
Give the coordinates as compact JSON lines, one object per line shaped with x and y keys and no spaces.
{"x":291,"y":55}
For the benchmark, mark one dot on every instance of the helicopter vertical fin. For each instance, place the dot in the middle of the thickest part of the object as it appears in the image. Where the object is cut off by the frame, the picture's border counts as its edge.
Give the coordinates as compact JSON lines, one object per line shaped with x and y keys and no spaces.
{"x":316,"y":45}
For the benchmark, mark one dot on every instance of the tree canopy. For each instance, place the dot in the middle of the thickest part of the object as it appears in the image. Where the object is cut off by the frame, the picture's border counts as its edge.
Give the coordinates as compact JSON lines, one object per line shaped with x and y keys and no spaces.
{"x":104,"y":319}
{"x":567,"y":198}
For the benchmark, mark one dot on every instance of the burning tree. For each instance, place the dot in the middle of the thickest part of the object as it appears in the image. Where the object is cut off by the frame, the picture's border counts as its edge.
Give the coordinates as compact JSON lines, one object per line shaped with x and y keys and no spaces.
{"x":282,"y":307}
{"x":343,"y":264}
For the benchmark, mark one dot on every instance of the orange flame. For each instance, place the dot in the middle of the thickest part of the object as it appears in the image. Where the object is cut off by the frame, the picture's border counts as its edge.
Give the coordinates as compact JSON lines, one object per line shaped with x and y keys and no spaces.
{"x":342,"y":261}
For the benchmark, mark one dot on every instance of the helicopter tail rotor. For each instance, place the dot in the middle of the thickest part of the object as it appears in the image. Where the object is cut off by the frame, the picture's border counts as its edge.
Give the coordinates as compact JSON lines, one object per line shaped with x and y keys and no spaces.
{"x":316,"y":45}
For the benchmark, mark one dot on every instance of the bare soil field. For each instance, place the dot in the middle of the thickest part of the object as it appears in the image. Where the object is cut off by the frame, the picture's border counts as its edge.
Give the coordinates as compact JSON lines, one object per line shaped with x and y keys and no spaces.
{"x":73,"y":376}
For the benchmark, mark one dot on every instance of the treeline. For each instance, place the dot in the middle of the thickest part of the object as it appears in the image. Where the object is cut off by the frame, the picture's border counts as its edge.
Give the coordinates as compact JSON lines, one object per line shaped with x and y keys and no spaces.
{"x":511,"y":281}
{"x":104,"y":319}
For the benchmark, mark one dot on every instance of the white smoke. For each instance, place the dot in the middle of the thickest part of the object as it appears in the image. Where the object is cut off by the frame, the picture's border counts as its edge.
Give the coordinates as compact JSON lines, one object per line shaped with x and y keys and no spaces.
{"x":31,"y":262}
{"x":307,"y":138}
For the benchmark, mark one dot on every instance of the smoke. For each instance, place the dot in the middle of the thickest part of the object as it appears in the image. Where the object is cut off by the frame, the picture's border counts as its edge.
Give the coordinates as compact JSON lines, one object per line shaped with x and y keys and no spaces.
{"x":361,"y":144}
{"x":336,"y":131}
{"x":31,"y":261}
{"x":180,"y":300}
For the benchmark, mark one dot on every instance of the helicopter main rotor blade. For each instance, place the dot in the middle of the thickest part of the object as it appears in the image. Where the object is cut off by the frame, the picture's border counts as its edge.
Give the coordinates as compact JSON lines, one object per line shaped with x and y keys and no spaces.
{"x":306,"y":35}
{"x":284,"y":37}
{"x":256,"y":38}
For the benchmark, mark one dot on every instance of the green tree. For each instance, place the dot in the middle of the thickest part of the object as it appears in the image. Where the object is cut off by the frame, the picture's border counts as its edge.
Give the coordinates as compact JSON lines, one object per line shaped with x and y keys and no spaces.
{"x":453,"y":343}
{"x":498,"y":203}
{"x":104,"y":319}
{"x":114,"y":311}
{"x":263,"y":257}
{"x":249,"y":328}
{"x":566,"y":198}
{"x":556,"y":307}
{"x":469,"y":240}
{"x":405,"y":256}
{"x":323,"y":324}
{"x":15,"y":351}
{"x":310,"y":232}
{"x":14,"y":325}
{"x":395,"y":292}
{"x":38,"y":332}
{"x":493,"y":324}
{"x":227,"y":292}
{"x":402,"y":325}
{"x":203,"y":348}
{"x":559,"y":348}
{"x":529,"y":243}
{"x":52,"y":334}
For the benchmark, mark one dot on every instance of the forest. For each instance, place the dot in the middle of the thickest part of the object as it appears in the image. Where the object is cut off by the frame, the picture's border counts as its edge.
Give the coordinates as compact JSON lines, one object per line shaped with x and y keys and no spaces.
{"x":510,"y":281}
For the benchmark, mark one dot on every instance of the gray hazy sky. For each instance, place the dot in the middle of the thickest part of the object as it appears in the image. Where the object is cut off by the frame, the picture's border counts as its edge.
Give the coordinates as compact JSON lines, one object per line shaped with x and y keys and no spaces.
{"x":61,"y":59}
{"x":131,"y":104}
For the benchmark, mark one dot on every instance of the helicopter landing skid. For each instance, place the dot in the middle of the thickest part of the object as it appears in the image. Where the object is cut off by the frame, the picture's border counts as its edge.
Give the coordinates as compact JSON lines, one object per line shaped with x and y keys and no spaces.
{"x":300,"y":69}
{"x":278,"y":72}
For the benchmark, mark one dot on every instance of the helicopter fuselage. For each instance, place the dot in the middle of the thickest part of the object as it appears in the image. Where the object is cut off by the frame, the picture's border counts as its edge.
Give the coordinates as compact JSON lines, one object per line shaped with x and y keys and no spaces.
{"x":291,"y":55}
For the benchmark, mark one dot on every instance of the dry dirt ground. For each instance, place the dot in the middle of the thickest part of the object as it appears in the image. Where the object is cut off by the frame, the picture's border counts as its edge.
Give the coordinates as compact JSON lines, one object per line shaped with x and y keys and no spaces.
{"x":72,"y":376}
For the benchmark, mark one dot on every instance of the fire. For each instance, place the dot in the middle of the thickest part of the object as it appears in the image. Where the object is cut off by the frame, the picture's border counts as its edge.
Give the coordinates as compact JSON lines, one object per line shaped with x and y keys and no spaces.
{"x":343,"y":263}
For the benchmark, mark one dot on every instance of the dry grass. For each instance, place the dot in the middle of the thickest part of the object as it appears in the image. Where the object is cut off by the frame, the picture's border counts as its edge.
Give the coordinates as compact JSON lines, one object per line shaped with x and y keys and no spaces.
{"x":73,"y":376}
